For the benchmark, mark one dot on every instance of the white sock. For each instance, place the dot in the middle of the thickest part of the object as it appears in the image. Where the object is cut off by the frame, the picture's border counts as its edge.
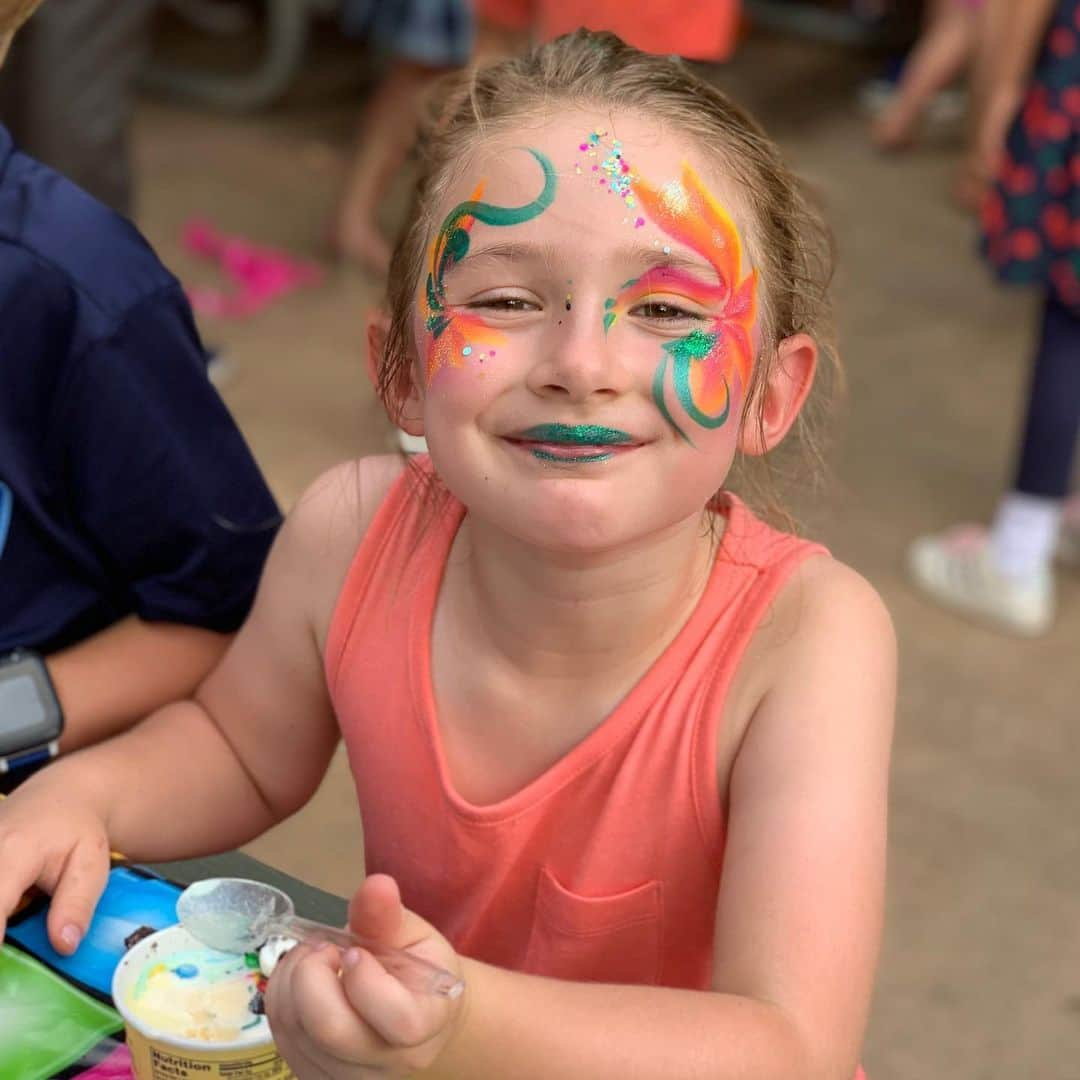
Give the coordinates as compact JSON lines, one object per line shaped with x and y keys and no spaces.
{"x":1025,"y":533}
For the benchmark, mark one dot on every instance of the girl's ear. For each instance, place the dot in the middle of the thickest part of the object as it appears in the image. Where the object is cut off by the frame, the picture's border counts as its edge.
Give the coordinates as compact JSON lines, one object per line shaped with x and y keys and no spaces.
{"x":378,"y":327}
{"x":782,"y":395}
{"x":410,"y":417}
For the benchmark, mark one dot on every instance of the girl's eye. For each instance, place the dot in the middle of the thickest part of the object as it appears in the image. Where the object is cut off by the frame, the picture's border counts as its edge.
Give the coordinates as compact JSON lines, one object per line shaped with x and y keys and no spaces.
{"x":660,"y":311}
{"x":511,"y":304}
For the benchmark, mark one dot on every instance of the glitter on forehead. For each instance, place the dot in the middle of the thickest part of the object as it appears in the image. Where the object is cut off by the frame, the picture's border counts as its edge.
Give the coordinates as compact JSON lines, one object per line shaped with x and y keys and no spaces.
{"x":674,"y":198}
{"x":609,"y":165}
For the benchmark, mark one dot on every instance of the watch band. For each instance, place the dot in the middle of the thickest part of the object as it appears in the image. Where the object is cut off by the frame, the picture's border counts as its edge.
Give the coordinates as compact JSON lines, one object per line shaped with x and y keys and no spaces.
{"x":25,"y":758}
{"x":37,"y":752}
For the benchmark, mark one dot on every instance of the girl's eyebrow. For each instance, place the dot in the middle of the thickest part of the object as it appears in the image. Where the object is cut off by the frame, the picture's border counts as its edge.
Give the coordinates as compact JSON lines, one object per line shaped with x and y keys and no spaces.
{"x":509,"y":252}
{"x":638,"y":257}
{"x":652,"y":258}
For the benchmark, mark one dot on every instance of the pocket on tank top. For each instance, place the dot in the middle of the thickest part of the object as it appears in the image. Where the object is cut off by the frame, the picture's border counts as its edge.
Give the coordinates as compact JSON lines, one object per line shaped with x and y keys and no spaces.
{"x":615,"y":938}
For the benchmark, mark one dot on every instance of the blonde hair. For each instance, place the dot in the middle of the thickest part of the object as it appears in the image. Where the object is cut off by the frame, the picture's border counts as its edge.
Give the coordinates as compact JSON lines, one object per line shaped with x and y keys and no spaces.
{"x":13,"y":13}
{"x":788,"y":240}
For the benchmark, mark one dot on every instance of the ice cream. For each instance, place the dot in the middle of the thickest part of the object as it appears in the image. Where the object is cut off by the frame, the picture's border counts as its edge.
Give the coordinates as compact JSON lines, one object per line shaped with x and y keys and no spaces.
{"x":277,"y":945}
{"x":200,"y":994}
{"x":190,"y":1010}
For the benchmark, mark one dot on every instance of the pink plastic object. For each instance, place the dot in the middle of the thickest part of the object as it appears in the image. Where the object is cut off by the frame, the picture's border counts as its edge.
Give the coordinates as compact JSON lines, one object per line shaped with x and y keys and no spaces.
{"x":259,"y":275}
{"x":117,"y":1066}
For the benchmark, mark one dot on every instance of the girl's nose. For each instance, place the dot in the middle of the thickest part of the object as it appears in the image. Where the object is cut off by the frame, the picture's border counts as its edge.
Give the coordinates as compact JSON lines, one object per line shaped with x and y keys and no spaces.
{"x":577,"y":362}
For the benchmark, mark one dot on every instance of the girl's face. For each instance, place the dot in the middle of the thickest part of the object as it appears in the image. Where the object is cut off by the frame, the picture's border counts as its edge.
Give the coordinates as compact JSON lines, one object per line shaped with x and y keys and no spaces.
{"x":586,"y":327}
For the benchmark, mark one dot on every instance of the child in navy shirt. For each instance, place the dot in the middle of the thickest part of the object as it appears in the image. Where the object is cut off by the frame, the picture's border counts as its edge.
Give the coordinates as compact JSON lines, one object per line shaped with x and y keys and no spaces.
{"x":134,"y":521}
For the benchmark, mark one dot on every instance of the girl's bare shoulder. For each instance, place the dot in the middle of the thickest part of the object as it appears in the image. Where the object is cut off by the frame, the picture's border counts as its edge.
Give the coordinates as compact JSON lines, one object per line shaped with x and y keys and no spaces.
{"x":827,"y":629}
{"x":337,"y":507}
{"x":826,"y":597}
{"x":829,"y":642}
{"x":324,"y":528}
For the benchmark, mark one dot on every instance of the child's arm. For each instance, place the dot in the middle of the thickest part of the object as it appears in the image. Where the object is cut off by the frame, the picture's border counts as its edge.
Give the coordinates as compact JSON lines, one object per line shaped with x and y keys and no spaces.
{"x":114,"y":678}
{"x":207,"y":774}
{"x":798,"y":919}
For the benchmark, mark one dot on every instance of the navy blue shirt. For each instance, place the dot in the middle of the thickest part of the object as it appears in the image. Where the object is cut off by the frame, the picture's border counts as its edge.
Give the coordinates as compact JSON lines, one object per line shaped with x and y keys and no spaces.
{"x":125,"y":485}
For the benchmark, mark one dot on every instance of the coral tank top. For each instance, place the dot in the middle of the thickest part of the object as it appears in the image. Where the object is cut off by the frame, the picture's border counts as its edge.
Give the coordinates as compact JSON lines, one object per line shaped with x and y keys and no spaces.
{"x":607,"y":865}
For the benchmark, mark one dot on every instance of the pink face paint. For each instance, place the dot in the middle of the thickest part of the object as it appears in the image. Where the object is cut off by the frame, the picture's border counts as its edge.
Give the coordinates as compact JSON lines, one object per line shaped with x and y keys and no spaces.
{"x":708,"y":360}
{"x":704,"y":363}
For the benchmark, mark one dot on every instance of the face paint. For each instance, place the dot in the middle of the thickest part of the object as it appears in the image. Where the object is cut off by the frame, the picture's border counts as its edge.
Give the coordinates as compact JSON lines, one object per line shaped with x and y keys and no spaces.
{"x":457,"y":335}
{"x":611,"y":171}
{"x":704,"y":363}
{"x":614,"y":306}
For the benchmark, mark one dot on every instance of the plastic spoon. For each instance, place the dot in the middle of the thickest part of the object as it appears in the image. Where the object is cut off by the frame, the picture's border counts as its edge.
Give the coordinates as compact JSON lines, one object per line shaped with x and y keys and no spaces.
{"x":237,"y":916}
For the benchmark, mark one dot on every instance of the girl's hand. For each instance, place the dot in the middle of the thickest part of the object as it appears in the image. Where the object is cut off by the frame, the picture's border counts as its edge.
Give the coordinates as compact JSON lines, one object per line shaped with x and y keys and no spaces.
{"x":50,"y":840}
{"x":342,"y":1015}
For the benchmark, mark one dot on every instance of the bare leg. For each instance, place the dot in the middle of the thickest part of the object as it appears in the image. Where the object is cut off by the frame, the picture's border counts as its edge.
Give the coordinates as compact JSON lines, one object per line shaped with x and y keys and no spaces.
{"x":939,"y":56}
{"x":387,"y":131}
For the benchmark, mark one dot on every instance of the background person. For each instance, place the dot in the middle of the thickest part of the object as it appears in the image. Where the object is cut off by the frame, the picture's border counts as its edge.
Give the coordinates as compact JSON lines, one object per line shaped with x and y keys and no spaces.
{"x":134,"y":521}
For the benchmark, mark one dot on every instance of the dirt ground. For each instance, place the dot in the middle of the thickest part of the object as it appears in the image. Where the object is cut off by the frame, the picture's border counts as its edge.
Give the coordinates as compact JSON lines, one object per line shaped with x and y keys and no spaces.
{"x":979,"y":975}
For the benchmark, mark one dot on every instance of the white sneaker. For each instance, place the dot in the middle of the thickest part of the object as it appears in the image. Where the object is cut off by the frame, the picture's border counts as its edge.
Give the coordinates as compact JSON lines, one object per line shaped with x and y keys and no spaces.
{"x":956,"y":569}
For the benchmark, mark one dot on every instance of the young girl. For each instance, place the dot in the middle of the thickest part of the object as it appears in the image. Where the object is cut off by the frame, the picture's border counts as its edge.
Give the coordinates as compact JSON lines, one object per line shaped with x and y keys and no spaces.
{"x":1027,"y":146}
{"x":621,"y":749}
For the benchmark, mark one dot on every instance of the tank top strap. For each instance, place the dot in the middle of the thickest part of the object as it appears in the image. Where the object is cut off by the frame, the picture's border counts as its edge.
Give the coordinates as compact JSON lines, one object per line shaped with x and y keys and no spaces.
{"x":402,"y":553}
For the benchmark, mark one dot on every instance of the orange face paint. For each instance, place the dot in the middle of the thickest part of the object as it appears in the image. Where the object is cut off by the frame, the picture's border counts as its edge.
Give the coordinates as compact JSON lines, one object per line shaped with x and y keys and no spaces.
{"x":457,"y":334}
{"x":453,"y":338}
{"x":705,"y":363}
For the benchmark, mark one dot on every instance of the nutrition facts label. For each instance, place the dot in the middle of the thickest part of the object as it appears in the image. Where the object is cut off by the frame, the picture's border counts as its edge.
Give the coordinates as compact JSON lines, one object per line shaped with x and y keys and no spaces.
{"x":169,"y":1066}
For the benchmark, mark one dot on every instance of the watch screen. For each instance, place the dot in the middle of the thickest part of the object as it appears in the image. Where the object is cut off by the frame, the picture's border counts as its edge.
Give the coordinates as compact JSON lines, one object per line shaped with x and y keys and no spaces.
{"x":22,"y":713}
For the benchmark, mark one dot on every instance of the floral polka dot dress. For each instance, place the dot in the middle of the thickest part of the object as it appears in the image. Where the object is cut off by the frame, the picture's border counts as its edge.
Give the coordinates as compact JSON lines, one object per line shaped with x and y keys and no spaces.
{"x":1031,"y":218}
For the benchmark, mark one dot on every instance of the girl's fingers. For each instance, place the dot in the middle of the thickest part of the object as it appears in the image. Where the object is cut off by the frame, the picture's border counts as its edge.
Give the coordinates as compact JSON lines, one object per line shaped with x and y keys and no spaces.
{"x":75,"y":894}
{"x":325,"y":1015}
{"x":401,"y":1018}
{"x":375,"y":911}
{"x":278,"y":997}
{"x":289,"y":1037}
{"x":336,"y":1010}
{"x":21,"y":870}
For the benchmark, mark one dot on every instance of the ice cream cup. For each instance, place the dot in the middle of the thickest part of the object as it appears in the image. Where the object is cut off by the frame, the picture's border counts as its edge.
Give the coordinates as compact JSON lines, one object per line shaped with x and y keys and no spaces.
{"x":158,"y":1053}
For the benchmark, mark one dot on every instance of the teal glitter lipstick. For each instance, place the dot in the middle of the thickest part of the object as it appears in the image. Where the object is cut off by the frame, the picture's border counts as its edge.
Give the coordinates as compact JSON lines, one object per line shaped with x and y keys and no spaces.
{"x":573,"y":443}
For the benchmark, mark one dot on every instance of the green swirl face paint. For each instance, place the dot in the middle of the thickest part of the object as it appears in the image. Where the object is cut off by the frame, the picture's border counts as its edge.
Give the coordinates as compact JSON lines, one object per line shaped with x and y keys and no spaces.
{"x":458,"y":335}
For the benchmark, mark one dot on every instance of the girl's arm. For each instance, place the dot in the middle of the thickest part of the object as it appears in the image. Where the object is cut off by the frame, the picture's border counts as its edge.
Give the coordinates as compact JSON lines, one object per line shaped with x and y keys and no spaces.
{"x":116,"y":677}
{"x":213,"y":772}
{"x":252,"y":745}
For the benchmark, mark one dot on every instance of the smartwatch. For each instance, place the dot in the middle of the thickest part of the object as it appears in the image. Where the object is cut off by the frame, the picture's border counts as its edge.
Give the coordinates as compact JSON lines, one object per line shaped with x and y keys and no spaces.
{"x":31,"y":719}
